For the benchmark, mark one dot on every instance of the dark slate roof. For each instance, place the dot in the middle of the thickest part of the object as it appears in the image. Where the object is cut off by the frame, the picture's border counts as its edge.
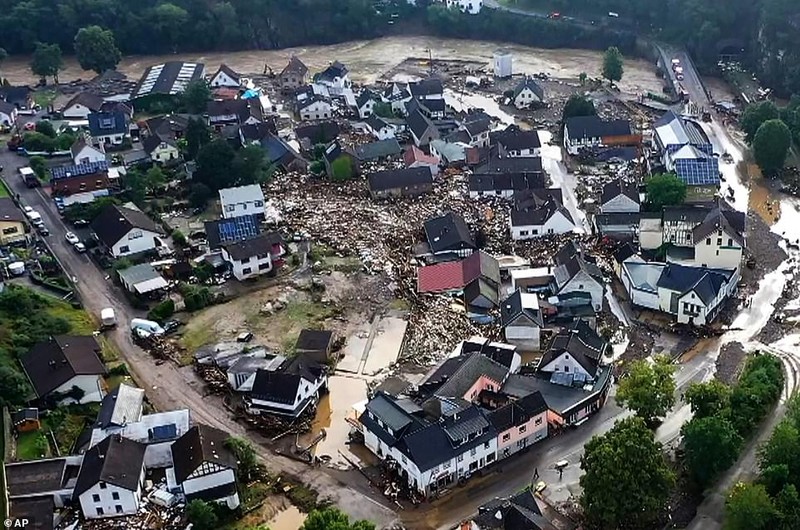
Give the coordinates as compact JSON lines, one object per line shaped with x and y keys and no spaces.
{"x":418,"y":123}
{"x":108,"y":123}
{"x":314,"y":340}
{"x":476,"y":127}
{"x":336,"y":69}
{"x":569,"y":261}
{"x":582,"y":343}
{"x":228,"y":71}
{"x":596,"y":127}
{"x":448,"y":232}
{"x":538,"y":214}
{"x":379,"y":149}
{"x":427,"y":87}
{"x":506,"y":182}
{"x":166,"y":126}
{"x":519,"y":512}
{"x":91,"y":101}
{"x":23,"y":415}
{"x":9,"y":211}
{"x":278,"y":151}
{"x":256,"y":246}
{"x":604,"y":220}
{"x":221,"y":231}
{"x":151,"y":142}
{"x":730,"y":221}
{"x":511,"y":308}
{"x":16,"y":95}
{"x":624,"y":251}
{"x":365,"y":96}
{"x":500,"y":353}
{"x":37,"y":510}
{"x":471,"y":370}
{"x":276,"y":386}
{"x":114,"y":222}
{"x":295,"y":66}
{"x":255,"y":132}
{"x":116,"y":460}
{"x":517,"y":412}
{"x":318,"y":133}
{"x":201,"y":444}
{"x":511,"y":165}
{"x":693,"y":213}
{"x":480,"y":287}
{"x":515,"y":139}
{"x":52,"y":363}
{"x":244,"y":109}
{"x":34,"y":477}
{"x":169,"y":78}
{"x":385,"y":408}
{"x":399,"y":178}
{"x":530,"y":83}
{"x":619,"y":187}
{"x":704,"y":281}
{"x":80,"y":170}
{"x":376,"y":123}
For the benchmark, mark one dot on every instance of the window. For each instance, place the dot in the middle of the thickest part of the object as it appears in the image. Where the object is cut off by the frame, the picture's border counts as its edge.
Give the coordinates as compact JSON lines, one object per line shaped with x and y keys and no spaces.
{"x":460,"y":458}
{"x":118,"y":508}
{"x":708,"y":241}
{"x":446,"y":465}
{"x":244,"y":206}
{"x":506,"y":437}
{"x":124,"y":250}
{"x":730,"y":242}
{"x":534,"y":231}
{"x":95,"y":498}
{"x":523,"y":232}
{"x":265,"y":266}
{"x":245,"y":260}
{"x":719,"y":241}
{"x":258,"y":204}
{"x":405,"y":461}
{"x":435,"y":470}
{"x":473,"y":452}
{"x":522,"y":429}
{"x":247,"y":270}
{"x":566,"y":369}
{"x":10,"y":230}
{"x":115,"y":495}
{"x":549,"y":230}
{"x":103,"y":485}
{"x":135,"y":234}
{"x":99,"y":511}
{"x":230,"y":208}
{"x":490,"y":458}
{"x":486,"y":445}
{"x":718,"y":253}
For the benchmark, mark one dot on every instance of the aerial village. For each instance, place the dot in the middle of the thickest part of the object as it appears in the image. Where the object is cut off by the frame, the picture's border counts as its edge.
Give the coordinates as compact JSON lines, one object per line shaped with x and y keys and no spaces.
{"x":436,"y":275}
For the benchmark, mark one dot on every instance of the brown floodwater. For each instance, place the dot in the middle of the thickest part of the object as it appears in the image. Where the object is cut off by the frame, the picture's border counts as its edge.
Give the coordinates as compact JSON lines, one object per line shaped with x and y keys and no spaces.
{"x":289,"y":519}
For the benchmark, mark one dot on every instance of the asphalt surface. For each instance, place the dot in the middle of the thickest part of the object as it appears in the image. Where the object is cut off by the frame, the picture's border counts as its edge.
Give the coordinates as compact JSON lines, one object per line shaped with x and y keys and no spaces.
{"x":168,"y":386}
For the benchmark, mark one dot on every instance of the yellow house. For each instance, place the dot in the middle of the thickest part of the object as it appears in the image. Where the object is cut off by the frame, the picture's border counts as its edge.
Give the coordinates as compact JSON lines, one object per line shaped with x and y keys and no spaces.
{"x":12,"y":222}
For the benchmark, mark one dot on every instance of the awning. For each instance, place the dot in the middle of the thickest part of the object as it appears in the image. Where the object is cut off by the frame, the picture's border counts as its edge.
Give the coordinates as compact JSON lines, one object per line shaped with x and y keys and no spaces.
{"x":150,"y":285}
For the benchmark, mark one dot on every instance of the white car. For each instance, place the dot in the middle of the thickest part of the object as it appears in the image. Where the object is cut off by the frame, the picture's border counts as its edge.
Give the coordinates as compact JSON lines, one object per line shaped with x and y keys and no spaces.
{"x":79,"y":247}
{"x":27,"y":209}
{"x":71,"y":238}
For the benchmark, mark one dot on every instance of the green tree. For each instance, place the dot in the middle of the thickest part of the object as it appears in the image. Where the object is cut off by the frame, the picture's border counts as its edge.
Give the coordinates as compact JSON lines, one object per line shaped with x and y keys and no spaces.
{"x":47,"y":61}
{"x":155,"y":179}
{"x":170,"y":20}
{"x":197,"y":135}
{"x":787,"y":504}
{"x":342,"y":169}
{"x":708,"y":399}
{"x":782,"y":449}
{"x":13,"y":388}
{"x":333,"y":519}
{"x":649,"y":388}
{"x":755,"y":115}
{"x":748,"y":507}
{"x":578,"y":105}
{"x":245,"y":457}
{"x":214,"y":165}
{"x":96,"y":49}
{"x":199,"y":195}
{"x":39,"y":166}
{"x":613,"y":65}
{"x":712,"y":446}
{"x":202,"y":515}
{"x":382,"y":109}
{"x":582,"y":77}
{"x":46,"y":128}
{"x":771,"y":145}
{"x":626,"y":481}
{"x":758,"y":389}
{"x":249,"y":165}
{"x":196,"y":96}
{"x":36,"y":142}
{"x":665,"y":189}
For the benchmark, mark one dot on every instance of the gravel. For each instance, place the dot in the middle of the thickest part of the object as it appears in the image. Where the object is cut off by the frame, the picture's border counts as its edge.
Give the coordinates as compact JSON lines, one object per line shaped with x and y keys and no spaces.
{"x":729,"y":362}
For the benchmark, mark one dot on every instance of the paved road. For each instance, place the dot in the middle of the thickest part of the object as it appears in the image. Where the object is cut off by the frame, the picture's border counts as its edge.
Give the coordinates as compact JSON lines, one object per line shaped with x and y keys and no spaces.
{"x":168,"y":386}
{"x":691,"y":78}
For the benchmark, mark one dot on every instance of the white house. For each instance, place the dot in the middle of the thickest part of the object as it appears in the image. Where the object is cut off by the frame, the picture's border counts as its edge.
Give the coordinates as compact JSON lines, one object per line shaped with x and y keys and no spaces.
{"x":432,"y":455}
{"x":111,"y":478}
{"x":242,"y":373}
{"x":587,"y":132}
{"x":62,"y":364}
{"x":225,"y":77}
{"x":502,"y":60}
{"x":8,"y":114}
{"x":473,"y":7}
{"x":81,"y":105}
{"x":287,"y":391}
{"x":242,"y":200}
{"x":366,"y":103}
{"x":380,"y":128}
{"x":579,"y":350}
{"x":125,"y":231}
{"x":619,"y":197}
{"x":573,"y":274}
{"x":335,"y":77}
{"x":539,"y":213}
{"x":314,"y":108}
{"x":204,"y":468}
{"x":522,"y":320}
{"x":108,"y":128}
{"x":720,"y":240}
{"x":250,"y":258}
{"x":161,"y":149}
{"x":527,"y":93}
{"x":84,"y":153}
{"x":515,"y":142}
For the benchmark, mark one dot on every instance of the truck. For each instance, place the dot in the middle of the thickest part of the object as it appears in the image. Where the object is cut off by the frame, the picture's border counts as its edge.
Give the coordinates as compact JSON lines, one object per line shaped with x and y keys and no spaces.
{"x":29,"y":177}
{"x":34,"y":217}
{"x":108,"y":318}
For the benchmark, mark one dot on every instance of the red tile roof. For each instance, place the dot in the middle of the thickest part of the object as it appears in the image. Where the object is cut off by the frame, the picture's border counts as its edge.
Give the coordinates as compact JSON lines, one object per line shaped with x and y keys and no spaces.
{"x":415,"y":154}
{"x":448,"y":276}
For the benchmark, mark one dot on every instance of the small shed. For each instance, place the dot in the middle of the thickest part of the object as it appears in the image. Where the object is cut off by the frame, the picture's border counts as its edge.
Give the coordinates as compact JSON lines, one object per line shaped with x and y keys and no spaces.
{"x":315,"y":343}
{"x":142,"y":279}
{"x":26,"y":420}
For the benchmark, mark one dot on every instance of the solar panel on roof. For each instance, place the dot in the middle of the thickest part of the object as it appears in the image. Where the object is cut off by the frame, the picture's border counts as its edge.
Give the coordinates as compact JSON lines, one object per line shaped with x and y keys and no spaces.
{"x":61,"y":172}
{"x":238,"y":229}
{"x":698,"y":172}
{"x":164,"y":432}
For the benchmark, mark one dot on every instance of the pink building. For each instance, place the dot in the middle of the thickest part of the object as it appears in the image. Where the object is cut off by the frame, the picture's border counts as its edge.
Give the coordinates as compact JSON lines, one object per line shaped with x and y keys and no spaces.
{"x":520,"y":424}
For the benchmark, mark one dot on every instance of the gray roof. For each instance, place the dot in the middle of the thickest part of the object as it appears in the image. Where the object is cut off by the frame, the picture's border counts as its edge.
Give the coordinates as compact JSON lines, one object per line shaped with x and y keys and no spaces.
{"x":671,"y":129}
{"x":619,"y":187}
{"x":116,"y":460}
{"x":138,"y":274}
{"x":644,"y":276}
{"x":37,"y":476}
{"x":399,"y":178}
{"x":120,"y":406}
{"x":241,"y":194}
{"x":470,"y":371}
{"x":531,"y":84}
{"x":9,"y":210}
{"x":448,"y":232}
{"x":379,"y":149}
{"x":538,"y":214}
{"x":582,"y":343}
{"x":704,"y":281}
{"x":515,"y":139}
{"x":256,"y":246}
{"x":596,"y":127}
{"x":295,"y":66}
{"x":389,"y":412}
{"x":427,"y":87}
{"x":419,"y":123}
{"x":630,"y":219}
{"x":511,"y":308}
{"x":559,"y":397}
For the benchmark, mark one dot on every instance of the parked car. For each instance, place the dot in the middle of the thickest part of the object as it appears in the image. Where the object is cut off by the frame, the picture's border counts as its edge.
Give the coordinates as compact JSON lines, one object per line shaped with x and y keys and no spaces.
{"x":171,"y":325}
{"x":71,"y":238}
{"x":244,"y":337}
{"x":80,"y":223}
{"x":43,"y":230}
{"x":79,"y":247}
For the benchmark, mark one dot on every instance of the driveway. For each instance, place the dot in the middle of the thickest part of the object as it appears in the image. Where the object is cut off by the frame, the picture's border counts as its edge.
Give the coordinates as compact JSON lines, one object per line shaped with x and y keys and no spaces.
{"x":168,"y":386}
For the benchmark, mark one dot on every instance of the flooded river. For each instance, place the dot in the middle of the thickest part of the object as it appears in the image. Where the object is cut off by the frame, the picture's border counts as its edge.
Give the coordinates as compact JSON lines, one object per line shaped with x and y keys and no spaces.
{"x":369,"y":60}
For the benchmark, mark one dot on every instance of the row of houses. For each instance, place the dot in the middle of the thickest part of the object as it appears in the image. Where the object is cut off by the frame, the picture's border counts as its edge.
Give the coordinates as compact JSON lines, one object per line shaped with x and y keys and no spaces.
{"x":477,"y":408}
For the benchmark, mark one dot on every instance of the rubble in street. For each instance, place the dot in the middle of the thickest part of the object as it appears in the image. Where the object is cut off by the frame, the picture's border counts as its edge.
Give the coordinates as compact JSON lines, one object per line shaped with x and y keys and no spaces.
{"x":151,"y":516}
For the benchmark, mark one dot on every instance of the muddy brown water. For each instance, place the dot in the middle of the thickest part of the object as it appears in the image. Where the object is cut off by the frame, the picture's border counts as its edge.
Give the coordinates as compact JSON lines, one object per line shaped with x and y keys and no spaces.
{"x":368,"y":60}
{"x":289,"y":519}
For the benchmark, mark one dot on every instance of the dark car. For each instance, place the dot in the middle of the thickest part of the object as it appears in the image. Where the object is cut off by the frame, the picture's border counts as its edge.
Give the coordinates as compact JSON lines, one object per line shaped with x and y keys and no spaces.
{"x":43,"y":230}
{"x":80,"y":222}
{"x":171,"y":326}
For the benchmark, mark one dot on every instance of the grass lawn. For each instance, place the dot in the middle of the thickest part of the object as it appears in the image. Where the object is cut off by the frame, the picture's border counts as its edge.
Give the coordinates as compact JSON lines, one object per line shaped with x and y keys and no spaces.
{"x":192,"y":339}
{"x":4,"y":190}
{"x":43,"y":98}
{"x":67,"y":423}
{"x":32,"y":446}
{"x":298,"y":315}
{"x":79,"y":320}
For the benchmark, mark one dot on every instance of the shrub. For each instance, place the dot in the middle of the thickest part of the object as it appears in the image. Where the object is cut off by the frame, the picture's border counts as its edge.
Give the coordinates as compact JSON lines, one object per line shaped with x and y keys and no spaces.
{"x":162,"y":311}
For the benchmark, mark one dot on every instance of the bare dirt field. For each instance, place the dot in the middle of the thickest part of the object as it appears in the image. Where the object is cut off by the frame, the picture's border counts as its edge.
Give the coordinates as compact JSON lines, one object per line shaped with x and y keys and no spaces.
{"x":369,"y":60}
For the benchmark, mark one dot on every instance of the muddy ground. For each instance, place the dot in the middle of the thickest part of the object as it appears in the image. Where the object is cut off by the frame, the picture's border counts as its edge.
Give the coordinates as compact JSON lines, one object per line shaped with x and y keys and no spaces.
{"x":369,"y":60}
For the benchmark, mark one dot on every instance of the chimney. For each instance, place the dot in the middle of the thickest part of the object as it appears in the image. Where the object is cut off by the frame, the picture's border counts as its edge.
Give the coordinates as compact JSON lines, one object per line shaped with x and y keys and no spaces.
{"x":52,"y":364}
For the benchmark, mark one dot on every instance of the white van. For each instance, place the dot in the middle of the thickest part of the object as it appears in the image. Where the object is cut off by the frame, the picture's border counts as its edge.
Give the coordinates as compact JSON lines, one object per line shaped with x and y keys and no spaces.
{"x":612,"y":14}
{"x":35,"y":218}
{"x":147,"y":326}
{"x":108,"y":318}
